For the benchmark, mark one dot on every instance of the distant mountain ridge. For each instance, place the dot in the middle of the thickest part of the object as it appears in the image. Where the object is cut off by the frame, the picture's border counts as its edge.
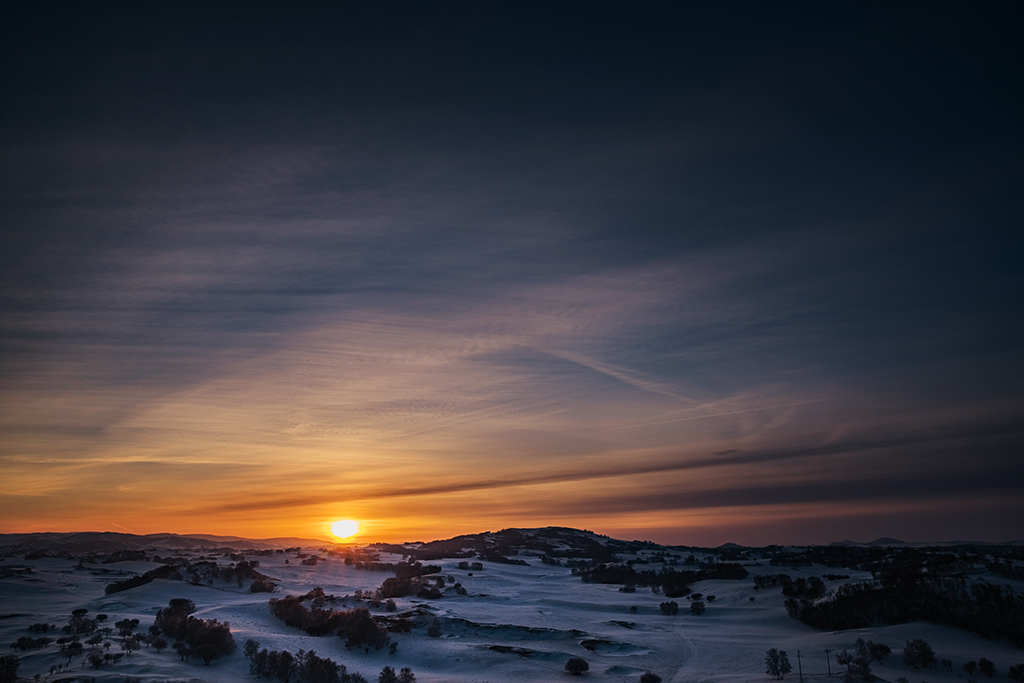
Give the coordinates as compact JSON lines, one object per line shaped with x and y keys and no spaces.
{"x":496,"y":544}
{"x":113,"y":541}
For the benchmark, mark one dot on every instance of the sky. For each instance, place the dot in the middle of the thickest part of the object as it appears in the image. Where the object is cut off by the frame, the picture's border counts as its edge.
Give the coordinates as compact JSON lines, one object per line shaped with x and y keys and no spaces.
{"x":749,"y":273}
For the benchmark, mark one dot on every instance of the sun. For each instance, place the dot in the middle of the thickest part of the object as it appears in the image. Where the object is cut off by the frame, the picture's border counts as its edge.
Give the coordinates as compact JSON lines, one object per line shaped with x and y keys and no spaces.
{"x":344,"y":528}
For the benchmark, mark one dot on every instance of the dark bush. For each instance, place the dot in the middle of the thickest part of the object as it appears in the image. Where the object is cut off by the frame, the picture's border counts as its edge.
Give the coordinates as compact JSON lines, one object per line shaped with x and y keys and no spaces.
{"x":987,"y":667}
{"x":577,"y":666}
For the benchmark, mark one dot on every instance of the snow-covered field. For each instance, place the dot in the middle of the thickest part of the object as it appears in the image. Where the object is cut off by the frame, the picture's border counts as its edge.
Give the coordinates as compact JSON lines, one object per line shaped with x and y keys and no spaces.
{"x":538,"y":616}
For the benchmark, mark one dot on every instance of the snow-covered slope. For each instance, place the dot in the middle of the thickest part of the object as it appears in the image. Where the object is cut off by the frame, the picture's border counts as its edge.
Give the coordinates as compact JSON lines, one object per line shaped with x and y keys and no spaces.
{"x":516,"y":622}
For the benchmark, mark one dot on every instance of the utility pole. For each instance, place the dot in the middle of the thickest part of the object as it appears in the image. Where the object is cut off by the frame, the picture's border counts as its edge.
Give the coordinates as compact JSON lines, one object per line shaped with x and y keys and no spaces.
{"x":828,"y":660}
{"x":800,"y":666}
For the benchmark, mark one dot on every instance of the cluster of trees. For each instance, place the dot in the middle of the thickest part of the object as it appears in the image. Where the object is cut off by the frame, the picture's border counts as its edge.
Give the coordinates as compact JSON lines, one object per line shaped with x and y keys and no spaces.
{"x":42,"y":627}
{"x":810,"y":588}
{"x":858,"y":662}
{"x":474,"y":566}
{"x":771,"y":581}
{"x":356,"y":626}
{"x":26,"y":643}
{"x":161,"y":572}
{"x":206,"y":639}
{"x":987,"y":609}
{"x":501,"y":559}
{"x":97,"y":657}
{"x":303,"y":667}
{"x":239,"y":572}
{"x":80,"y":624}
{"x":985,"y":666}
{"x":674,"y":583}
{"x":408,"y":579}
{"x":388,"y":675}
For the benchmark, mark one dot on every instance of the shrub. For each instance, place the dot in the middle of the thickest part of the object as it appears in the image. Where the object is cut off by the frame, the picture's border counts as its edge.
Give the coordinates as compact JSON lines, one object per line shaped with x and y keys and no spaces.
{"x":262,"y":586}
{"x":697,"y":607}
{"x":650,"y":678}
{"x":577,"y":666}
{"x":670,"y":608}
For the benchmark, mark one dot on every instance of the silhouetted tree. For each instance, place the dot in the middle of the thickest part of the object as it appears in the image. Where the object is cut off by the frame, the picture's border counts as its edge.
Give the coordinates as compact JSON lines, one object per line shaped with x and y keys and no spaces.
{"x":918,"y":653}
{"x":878,"y":651}
{"x":207,"y":653}
{"x":1017,"y":673}
{"x":971,"y":667}
{"x":387,"y":675}
{"x":72,"y":649}
{"x":650,"y":678}
{"x":987,"y":667}
{"x":130,"y":645}
{"x":777,"y":663}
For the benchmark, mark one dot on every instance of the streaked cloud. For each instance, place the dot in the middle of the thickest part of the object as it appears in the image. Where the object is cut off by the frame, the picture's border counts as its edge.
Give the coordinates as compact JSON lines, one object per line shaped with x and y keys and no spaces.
{"x":644,"y":284}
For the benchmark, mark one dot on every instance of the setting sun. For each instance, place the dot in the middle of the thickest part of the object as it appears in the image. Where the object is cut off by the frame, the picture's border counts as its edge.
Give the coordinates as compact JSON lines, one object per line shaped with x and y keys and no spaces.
{"x":345,"y":528}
